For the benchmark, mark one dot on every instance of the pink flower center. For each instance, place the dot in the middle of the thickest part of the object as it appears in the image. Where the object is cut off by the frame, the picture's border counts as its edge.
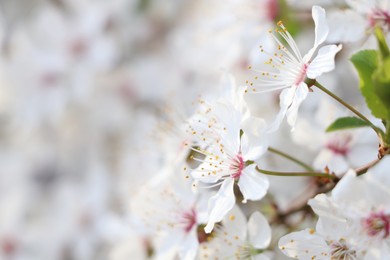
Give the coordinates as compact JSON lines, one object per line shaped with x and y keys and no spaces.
{"x":380,"y":17}
{"x":302,"y":74}
{"x":272,"y":7}
{"x":189,"y":220}
{"x":377,"y":223}
{"x":237,"y":166}
{"x":340,"y":144}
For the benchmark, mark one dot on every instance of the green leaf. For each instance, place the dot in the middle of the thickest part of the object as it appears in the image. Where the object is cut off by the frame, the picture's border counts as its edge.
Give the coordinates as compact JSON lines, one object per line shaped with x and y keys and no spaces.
{"x":346,"y":123}
{"x":381,"y":82}
{"x":366,"y":62}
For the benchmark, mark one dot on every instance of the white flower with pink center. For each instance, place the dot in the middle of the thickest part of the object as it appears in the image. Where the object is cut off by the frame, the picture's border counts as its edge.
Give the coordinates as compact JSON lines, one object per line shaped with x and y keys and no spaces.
{"x":356,"y":22}
{"x":310,"y":244}
{"x":229,"y":141}
{"x":172,"y":214}
{"x":235,"y":237}
{"x":337,"y":151}
{"x":289,"y":69}
{"x":354,"y":221}
{"x":226,"y":168}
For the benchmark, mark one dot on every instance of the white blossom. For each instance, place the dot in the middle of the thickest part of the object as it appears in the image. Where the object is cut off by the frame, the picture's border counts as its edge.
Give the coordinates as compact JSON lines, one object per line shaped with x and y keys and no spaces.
{"x":289,"y":69}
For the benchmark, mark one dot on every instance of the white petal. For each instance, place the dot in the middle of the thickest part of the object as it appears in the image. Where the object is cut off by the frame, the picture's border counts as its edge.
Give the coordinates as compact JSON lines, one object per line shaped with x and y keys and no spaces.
{"x":259,"y":231}
{"x":321,"y":26}
{"x":332,"y":227}
{"x":235,"y":223}
{"x":262,"y":256}
{"x":220,"y":204}
{"x":300,"y":94}
{"x":345,"y":26}
{"x":335,"y":162}
{"x":253,"y":185}
{"x":274,"y":126}
{"x":167,"y":246}
{"x":324,"y":206}
{"x":254,"y":125}
{"x":188,"y":247}
{"x":305,"y":244}
{"x":230,"y":118}
{"x":254,"y":141}
{"x":287,"y":96}
{"x":349,"y":188}
{"x":285,"y":100}
{"x":323,"y":62}
{"x":253,"y":147}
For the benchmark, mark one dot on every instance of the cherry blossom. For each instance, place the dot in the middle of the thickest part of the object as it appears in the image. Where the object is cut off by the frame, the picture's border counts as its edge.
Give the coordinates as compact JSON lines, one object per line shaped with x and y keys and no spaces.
{"x":236,"y":237}
{"x":289,"y":69}
{"x":231,"y":141}
{"x":354,"y":23}
{"x":354,"y":221}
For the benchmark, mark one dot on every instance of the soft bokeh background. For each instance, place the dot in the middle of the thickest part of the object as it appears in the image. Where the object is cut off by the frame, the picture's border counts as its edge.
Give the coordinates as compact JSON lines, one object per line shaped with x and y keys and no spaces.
{"x":91,"y":93}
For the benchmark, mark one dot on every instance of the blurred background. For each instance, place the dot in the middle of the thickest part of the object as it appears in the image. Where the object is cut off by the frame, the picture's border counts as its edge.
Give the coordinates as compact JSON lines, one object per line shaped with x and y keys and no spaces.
{"x":91,"y":94}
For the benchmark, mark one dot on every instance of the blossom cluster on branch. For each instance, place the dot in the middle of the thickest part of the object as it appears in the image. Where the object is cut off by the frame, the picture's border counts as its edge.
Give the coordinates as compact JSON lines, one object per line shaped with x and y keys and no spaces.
{"x":210,"y":129}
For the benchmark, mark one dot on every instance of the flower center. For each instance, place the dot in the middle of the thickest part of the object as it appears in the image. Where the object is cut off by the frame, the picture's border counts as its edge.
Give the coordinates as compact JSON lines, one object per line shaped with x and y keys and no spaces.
{"x":302,"y":74}
{"x":379,"y":17}
{"x":237,"y":166}
{"x":272,"y":7}
{"x":339,"y":144}
{"x":189,"y":220}
{"x":377,"y":224}
{"x":340,"y":250}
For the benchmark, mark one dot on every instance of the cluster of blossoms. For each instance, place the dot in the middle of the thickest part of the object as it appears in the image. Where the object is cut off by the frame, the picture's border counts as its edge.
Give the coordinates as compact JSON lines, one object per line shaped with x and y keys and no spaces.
{"x":227,"y":154}
{"x":147,"y":129}
{"x":353,"y":223}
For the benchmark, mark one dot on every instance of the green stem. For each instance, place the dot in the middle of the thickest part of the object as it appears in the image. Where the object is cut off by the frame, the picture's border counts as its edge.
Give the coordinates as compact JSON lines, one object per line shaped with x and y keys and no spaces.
{"x":289,"y":157}
{"x":290,"y":174}
{"x":387,"y":135}
{"x":376,"y":129}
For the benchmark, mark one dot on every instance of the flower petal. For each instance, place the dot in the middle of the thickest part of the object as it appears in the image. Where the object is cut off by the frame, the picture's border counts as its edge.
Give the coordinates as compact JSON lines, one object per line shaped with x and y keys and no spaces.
{"x":321,"y":26}
{"x":323,"y":62}
{"x":305,"y":244}
{"x":253,"y":185}
{"x":300,"y":94}
{"x":259,"y":230}
{"x":188,"y":247}
{"x":254,"y":142}
{"x":340,"y":22}
{"x":335,"y":162}
{"x":220,"y":204}
{"x":234,"y":223}
{"x":285,"y":100}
